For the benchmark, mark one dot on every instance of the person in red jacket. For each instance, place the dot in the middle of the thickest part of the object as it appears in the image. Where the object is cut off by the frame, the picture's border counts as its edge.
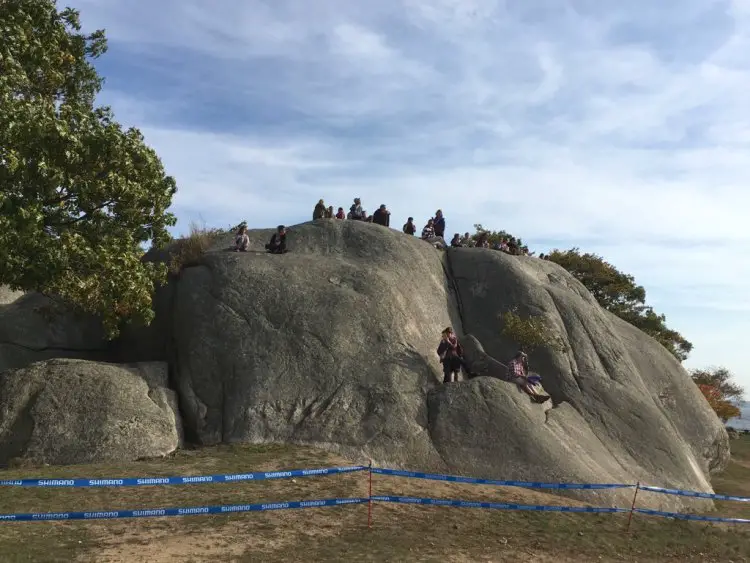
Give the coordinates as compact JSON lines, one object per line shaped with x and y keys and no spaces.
{"x":451,"y":355}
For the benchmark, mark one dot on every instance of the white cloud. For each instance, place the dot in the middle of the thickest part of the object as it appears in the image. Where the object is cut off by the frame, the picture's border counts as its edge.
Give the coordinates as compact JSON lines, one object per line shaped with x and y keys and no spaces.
{"x":572,"y":122}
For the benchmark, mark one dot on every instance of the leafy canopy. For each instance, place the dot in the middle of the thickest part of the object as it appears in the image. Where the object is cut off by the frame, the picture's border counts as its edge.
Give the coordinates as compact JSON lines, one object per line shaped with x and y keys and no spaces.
{"x":78,"y":194}
{"x":719,"y":389}
{"x":494,"y":237}
{"x":530,"y":333}
{"x":618,"y":293}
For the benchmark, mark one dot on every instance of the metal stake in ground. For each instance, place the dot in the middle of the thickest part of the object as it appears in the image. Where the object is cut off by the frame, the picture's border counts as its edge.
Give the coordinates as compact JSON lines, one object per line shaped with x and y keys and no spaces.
{"x":632,"y":507}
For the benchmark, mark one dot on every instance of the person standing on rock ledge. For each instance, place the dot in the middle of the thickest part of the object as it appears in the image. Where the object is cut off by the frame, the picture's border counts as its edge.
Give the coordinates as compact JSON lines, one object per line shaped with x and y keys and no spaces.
{"x":278,"y":241}
{"x":451,"y":355}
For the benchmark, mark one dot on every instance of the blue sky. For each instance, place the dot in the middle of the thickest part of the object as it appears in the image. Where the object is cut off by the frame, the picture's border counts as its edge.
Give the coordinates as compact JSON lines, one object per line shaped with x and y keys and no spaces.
{"x":619,"y":127}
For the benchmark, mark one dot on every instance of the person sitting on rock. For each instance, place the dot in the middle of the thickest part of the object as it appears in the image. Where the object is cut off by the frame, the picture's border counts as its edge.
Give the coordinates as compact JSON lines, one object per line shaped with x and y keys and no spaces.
{"x":382,"y":216}
{"x":277,"y":245}
{"x":329,"y":212}
{"x":451,"y":355}
{"x":518,"y":373}
{"x":241,"y":241}
{"x":467,"y":241}
{"x":439,"y":224}
{"x":320,"y":210}
{"x":428,"y":235}
{"x":483,"y":241}
{"x":340,"y":214}
{"x":356,"y":212}
{"x":409,"y":227}
{"x":456,"y":241}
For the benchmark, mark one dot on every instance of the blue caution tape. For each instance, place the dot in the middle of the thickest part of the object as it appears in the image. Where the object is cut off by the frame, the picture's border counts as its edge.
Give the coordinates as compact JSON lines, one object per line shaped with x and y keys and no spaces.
{"x":146,"y":481}
{"x":184,"y":511}
{"x":474,"y":481}
{"x":682,"y":516}
{"x":496,"y":505}
{"x":694,"y":494}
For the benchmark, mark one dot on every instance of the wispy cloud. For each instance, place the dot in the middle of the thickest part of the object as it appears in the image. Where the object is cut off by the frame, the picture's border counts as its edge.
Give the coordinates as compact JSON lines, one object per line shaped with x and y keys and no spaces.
{"x":623,"y":128}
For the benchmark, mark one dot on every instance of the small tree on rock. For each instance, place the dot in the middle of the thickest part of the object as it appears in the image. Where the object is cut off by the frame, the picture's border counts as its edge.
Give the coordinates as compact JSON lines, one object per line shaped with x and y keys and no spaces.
{"x":78,"y":194}
{"x":531,"y":333}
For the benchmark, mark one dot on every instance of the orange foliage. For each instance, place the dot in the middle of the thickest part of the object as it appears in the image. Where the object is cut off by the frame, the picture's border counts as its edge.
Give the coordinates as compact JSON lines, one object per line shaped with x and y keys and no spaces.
{"x":723,"y":409}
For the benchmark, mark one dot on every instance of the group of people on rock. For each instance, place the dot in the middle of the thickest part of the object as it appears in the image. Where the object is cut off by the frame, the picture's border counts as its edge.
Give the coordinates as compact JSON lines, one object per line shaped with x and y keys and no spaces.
{"x":433,"y":232}
{"x":451,"y":355}
{"x":277,"y":244}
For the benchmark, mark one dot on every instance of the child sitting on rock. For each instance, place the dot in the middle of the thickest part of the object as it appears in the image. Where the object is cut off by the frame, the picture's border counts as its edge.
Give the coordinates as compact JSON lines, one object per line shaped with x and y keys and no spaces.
{"x":241,"y":241}
{"x":340,"y":214}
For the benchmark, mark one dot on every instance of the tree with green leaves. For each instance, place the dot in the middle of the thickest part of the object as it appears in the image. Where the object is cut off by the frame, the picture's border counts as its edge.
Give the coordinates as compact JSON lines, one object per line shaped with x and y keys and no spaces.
{"x":78,"y":194}
{"x":530,"y":333}
{"x":718,"y":387}
{"x":494,"y":237}
{"x":620,"y":294}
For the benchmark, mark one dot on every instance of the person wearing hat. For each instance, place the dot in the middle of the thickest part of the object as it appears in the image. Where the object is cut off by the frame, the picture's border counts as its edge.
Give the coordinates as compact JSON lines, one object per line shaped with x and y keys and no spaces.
{"x":382,"y":216}
{"x":277,"y":245}
{"x":451,"y":355}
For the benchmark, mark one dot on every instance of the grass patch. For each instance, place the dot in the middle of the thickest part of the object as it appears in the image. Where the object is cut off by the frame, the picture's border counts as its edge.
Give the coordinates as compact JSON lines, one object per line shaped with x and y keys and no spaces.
{"x":188,"y":250}
{"x":401,"y":533}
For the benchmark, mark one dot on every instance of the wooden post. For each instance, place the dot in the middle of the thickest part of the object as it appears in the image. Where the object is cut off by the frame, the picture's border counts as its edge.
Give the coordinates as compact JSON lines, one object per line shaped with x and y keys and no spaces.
{"x":632,"y":507}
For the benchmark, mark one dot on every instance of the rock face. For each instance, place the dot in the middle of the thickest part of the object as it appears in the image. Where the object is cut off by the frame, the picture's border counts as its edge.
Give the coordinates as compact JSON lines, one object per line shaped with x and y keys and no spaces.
{"x":33,"y":328}
{"x":333,"y":345}
{"x":71,"y":411}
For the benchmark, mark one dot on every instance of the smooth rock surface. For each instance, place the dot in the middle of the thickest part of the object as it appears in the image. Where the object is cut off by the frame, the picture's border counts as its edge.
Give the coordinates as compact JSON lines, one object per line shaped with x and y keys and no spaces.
{"x":66,"y":411}
{"x":34,"y":328}
{"x":333,"y":345}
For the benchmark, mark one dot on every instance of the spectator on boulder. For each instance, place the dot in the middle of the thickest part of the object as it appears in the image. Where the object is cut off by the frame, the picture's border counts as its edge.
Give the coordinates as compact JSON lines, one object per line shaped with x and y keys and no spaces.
{"x":468,"y":241}
{"x":277,"y":245}
{"x":329,"y":212}
{"x":439,"y":224}
{"x":241,"y":241}
{"x":409,"y":227}
{"x":428,"y":235}
{"x":483,"y":241}
{"x":456,"y":241}
{"x":356,"y":212}
{"x":340,"y":214}
{"x":320,"y":210}
{"x":451,"y":355}
{"x":518,"y":373}
{"x":382,"y":216}
{"x":542,"y":257}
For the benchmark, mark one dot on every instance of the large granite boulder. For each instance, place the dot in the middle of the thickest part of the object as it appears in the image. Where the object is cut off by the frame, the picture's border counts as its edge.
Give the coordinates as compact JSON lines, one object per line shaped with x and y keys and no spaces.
{"x":333,"y":345}
{"x":66,"y":411}
{"x":34,"y":327}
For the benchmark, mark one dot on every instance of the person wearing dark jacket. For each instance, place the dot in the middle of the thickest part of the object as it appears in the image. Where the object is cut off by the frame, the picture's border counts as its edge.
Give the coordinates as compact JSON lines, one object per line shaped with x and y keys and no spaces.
{"x":277,"y":245}
{"x":451,"y":355}
{"x":439,"y":224}
{"x":409,"y":227}
{"x":382,"y":216}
